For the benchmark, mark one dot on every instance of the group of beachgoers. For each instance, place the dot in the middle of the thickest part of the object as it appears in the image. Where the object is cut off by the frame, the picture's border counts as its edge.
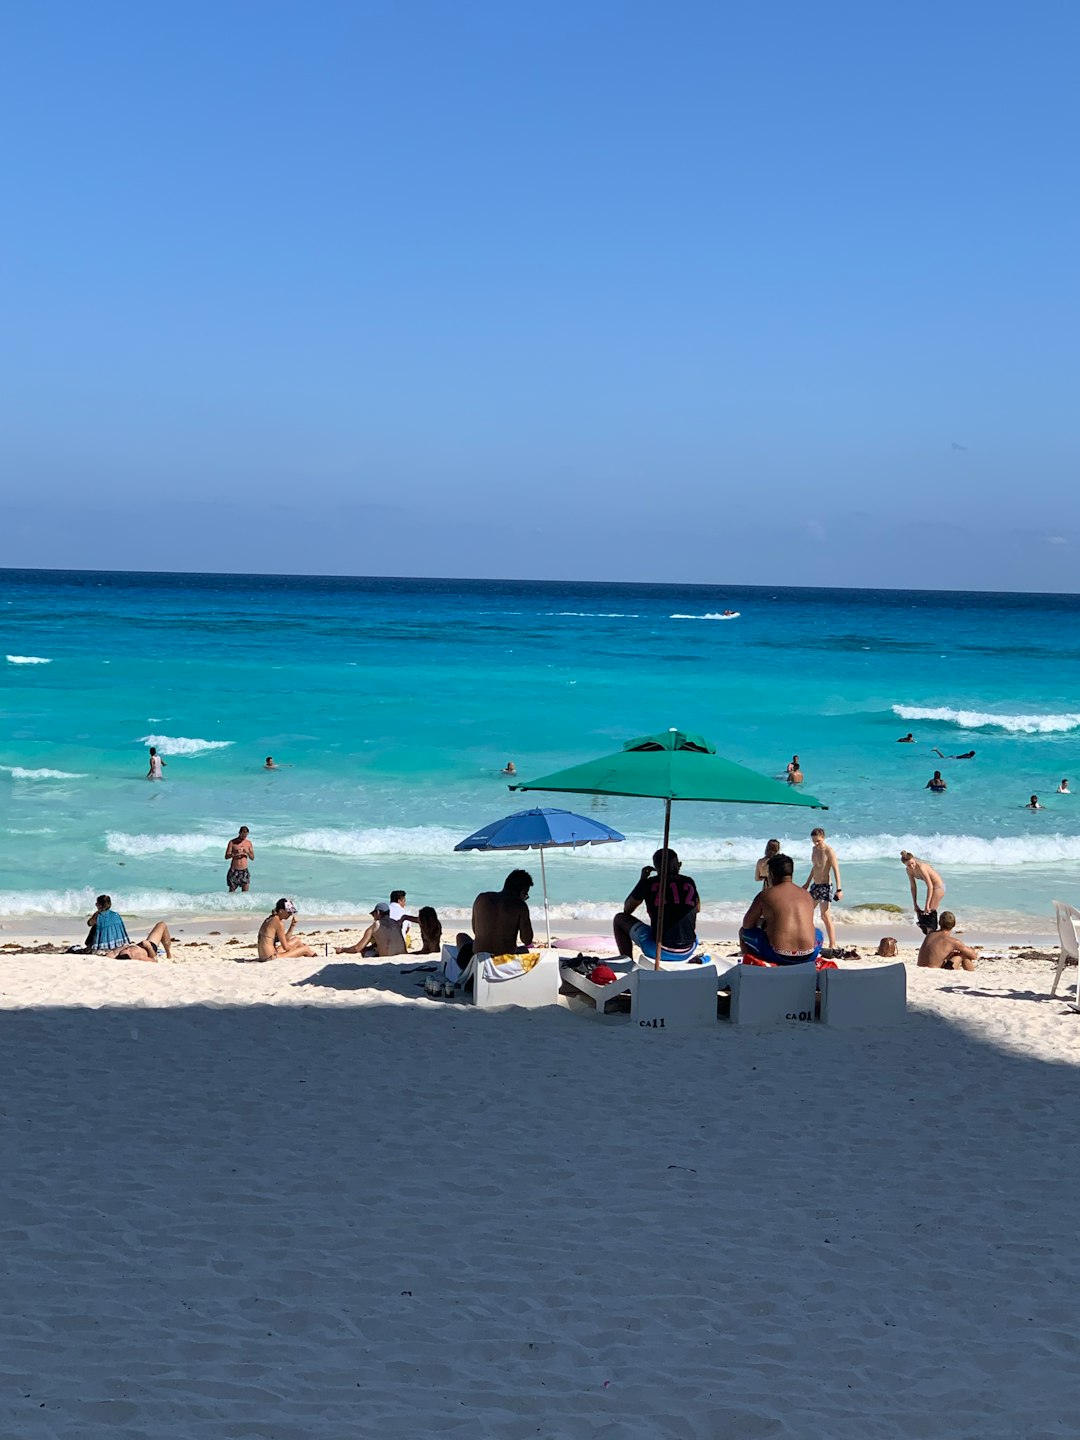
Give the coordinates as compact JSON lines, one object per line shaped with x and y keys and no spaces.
{"x":938,"y":784}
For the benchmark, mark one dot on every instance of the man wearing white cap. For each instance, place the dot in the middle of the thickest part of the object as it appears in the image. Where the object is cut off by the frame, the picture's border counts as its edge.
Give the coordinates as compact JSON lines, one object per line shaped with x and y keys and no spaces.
{"x":383,"y":935}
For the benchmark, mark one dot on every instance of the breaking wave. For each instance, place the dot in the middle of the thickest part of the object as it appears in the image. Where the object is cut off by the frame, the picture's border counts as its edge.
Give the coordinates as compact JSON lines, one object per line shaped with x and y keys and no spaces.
{"x":436,"y":843}
{"x":181,"y":745}
{"x":984,"y":720}
{"x":29,"y":660}
{"x":17,"y":772}
{"x":117,"y":843}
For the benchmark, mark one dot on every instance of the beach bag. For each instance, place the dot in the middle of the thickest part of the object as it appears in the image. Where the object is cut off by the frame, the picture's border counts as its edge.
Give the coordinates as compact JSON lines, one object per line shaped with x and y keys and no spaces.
{"x":886,"y":947}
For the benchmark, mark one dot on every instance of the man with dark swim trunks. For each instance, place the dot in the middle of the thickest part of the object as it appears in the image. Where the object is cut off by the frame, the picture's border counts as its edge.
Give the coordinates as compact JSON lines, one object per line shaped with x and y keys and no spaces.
{"x":239,"y":853}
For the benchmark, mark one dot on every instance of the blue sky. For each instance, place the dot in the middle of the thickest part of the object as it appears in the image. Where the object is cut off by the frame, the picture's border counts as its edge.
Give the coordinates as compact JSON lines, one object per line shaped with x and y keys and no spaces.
{"x":701,"y":291}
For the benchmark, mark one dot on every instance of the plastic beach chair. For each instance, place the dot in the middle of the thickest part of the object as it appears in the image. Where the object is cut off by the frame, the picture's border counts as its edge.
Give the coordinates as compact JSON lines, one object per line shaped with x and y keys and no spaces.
{"x":495,"y":985}
{"x":772,"y":996}
{"x":1065,"y":914}
{"x":683,"y":999}
{"x":600,"y":995}
{"x":868,"y":995}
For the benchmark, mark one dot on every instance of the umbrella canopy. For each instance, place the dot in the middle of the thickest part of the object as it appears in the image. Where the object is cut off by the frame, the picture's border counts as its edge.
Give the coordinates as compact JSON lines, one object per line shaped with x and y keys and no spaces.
{"x":673,"y":765}
{"x":537,"y":829}
{"x":540,"y":829}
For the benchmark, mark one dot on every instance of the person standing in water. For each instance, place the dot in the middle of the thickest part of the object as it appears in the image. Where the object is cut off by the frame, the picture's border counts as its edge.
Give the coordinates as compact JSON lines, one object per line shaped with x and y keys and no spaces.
{"x":240,"y":853}
{"x":824,"y":870}
{"x":157,"y":765}
{"x":761,"y":869}
{"x":1063,"y":788}
{"x":926,"y":918}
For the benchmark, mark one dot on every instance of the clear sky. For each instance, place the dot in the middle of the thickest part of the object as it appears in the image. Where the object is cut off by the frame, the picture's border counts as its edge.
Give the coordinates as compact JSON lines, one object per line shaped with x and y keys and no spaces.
{"x":588,"y":288}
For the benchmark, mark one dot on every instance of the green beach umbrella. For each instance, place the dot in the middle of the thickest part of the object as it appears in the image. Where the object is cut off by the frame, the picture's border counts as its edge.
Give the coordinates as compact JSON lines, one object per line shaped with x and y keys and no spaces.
{"x":673,"y":765}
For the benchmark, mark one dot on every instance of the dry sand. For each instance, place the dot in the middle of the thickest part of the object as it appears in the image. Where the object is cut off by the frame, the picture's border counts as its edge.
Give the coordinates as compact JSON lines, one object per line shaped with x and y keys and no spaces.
{"x":299,"y":1200}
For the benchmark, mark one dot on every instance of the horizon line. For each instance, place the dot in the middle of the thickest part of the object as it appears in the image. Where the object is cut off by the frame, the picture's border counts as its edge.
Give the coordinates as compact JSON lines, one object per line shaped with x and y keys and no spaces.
{"x":236,"y":574}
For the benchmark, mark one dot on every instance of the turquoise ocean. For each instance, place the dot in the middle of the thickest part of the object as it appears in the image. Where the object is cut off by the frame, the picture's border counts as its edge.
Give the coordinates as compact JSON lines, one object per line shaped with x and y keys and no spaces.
{"x":394,"y":704}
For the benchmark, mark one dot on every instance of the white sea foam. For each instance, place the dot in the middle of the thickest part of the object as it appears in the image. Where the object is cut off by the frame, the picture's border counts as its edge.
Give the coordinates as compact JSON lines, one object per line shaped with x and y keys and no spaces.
{"x":709,"y":616}
{"x":117,"y":843}
{"x":29,"y":660}
{"x":436,"y":843}
{"x":985,"y":720}
{"x":156,"y":904}
{"x":428,"y":841}
{"x":182,"y":745}
{"x":595,"y":614}
{"x":18,"y":772}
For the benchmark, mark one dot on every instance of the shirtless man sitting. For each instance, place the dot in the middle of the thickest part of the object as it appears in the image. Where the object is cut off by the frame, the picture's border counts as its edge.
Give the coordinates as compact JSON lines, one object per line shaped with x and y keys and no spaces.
{"x":942,"y":951}
{"x":500,"y":919}
{"x":926,"y":918}
{"x":779,"y":926}
{"x":278,"y":943}
{"x":384,"y":936}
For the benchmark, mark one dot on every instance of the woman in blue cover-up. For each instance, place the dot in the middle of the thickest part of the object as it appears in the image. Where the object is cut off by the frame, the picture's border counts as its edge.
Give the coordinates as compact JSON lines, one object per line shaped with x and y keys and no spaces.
{"x":107,"y":930}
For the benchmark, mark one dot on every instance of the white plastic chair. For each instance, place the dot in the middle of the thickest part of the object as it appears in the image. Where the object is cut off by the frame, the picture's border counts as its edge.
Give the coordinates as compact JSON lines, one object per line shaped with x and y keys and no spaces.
{"x":773,"y":995}
{"x":532,"y":990}
{"x":683,"y":999}
{"x":600,"y":995}
{"x":868,"y":995}
{"x":1065,"y":914}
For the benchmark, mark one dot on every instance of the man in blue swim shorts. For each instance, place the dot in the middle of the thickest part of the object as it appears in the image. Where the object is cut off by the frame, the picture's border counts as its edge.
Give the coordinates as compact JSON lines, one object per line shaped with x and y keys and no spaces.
{"x":681,"y":906}
{"x":779,"y":926}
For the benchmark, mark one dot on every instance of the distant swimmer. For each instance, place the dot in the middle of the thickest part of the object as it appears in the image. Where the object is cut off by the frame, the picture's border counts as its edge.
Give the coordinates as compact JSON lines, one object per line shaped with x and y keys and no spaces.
{"x":509,"y":768}
{"x":795,"y":777}
{"x":1033,"y":804}
{"x":967,"y":755}
{"x":793,"y":764}
{"x":240,"y":853}
{"x":908,"y":739}
{"x":936,"y":783}
{"x":1063,"y":788}
{"x":270,"y":764}
{"x":942,"y":951}
{"x":926,"y":917}
{"x":157,"y":764}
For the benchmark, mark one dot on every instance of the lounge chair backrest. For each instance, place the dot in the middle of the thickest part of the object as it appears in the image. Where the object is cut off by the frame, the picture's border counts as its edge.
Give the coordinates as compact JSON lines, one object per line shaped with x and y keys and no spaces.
{"x":767,"y":996}
{"x":868,"y":995}
{"x":682,"y":999}
{"x":1065,"y":914}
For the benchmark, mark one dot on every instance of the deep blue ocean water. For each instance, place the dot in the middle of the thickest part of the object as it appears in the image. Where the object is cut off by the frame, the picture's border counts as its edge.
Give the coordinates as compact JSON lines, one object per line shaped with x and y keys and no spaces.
{"x":395,"y":703}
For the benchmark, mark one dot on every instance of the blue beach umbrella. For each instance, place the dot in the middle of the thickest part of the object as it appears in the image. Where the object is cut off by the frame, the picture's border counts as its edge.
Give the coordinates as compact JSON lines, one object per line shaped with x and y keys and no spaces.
{"x":541,"y":829}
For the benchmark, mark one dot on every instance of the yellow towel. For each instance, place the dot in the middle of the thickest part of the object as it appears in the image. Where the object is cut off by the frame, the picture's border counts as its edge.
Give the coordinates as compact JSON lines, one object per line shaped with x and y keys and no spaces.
{"x":527,"y":961}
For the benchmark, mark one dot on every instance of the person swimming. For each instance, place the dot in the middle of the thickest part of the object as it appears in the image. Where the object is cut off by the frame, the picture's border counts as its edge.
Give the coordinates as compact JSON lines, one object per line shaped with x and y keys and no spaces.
{"x":1063,"y":788}
{"x":1033,"y":804}
{"x":908,"y":739}
{"x":936,"y":783}
{"x":509,"y":768}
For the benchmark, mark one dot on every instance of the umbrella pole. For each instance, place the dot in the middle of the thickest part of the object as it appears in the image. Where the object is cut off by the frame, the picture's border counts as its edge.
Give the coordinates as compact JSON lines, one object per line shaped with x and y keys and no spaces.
{"x":663,"y":885}
{"x":547,"y":917}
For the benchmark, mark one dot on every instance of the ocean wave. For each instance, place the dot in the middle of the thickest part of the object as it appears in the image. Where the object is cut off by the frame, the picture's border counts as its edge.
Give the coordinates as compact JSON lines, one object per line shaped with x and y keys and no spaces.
{"x":434,"y":842}
{"x":417,"y":841}
{"x":151,"y":905}
{"x":18,"y":772}
{"x":182,"y":745}
{"x":29,"y":660}
{"x":117,"y":843}
{"x":709,"y":616}
{"x":985,"y":720}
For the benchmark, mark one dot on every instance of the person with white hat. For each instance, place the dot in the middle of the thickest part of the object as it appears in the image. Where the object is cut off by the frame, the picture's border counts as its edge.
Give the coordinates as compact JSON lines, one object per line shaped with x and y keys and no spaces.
{"x":382,"y":937}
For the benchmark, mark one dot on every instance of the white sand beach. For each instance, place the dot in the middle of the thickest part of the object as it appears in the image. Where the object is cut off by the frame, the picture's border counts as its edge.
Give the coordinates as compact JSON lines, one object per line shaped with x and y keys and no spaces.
{"x":300,"y":1200}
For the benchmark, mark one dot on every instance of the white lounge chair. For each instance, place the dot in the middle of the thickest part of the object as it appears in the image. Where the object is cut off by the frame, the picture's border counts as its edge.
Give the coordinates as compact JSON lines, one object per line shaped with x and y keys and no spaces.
{"x":600,"y":995}
{"x":868,"y":995}
{"x":1065,"y":914}
{"x":772,"y":995}
{"x":683,"y":999}
{"x":495,"y":985}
